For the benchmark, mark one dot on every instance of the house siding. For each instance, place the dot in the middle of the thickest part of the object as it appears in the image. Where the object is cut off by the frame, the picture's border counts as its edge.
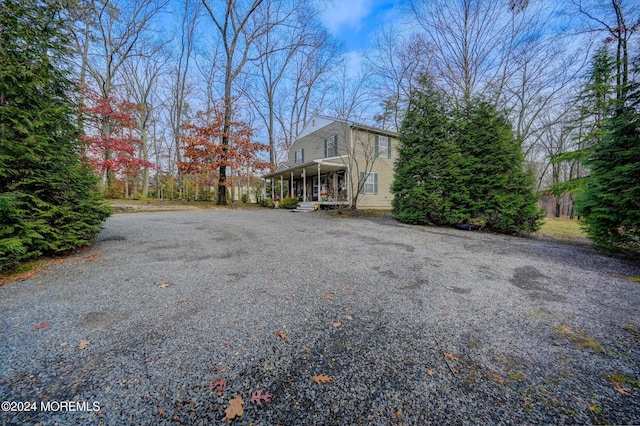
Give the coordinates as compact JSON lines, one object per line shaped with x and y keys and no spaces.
{"x":313,"y":143}
{"x":382,"y":166}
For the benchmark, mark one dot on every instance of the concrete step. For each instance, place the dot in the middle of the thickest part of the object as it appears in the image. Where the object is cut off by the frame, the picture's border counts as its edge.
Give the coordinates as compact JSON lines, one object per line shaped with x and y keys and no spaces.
{"x":305,"y":207}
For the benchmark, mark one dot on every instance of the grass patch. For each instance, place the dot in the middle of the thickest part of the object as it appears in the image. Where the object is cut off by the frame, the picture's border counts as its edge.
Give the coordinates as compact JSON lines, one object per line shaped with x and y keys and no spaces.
{"x":146,"y":205}
{"x":562,"y":229}
{"x":23,"y":271}
{"x":359,"y":213}
{"x":579,"y":339}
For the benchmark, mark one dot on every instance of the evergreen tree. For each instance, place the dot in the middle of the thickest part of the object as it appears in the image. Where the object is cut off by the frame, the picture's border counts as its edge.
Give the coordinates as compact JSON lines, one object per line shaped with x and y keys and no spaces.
{"x":610,"y":200}
{"x":424,"y":170}
{"x":493,"y":187}
{"x":461,"y":166}
{"x":48,"y":198}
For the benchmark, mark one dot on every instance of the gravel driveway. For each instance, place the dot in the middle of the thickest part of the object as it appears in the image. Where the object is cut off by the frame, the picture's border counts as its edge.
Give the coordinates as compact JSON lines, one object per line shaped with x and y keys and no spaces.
{"x":170,"y":316}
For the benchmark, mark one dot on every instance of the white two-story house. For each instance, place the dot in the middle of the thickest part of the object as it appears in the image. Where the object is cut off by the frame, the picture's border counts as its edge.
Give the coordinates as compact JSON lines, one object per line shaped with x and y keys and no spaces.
{"x":337,"y":162}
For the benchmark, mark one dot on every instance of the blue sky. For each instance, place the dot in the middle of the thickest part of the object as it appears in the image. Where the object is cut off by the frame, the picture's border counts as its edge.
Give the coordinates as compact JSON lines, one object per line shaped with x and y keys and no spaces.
{"x":355,"y":21}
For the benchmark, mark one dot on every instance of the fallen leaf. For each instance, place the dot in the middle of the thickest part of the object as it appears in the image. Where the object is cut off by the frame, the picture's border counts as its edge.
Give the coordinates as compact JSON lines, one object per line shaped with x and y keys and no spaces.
{"x":162,"y":411}
{"x":498,"y":378}
{"x":442,"y":304}
{"x":352,"y":293}
{"x":451,"y":356}
{"x":219,"y":385}
{"x":281,"y":335}
{"x":84,"y":344}
{"x":350,"y":284}
{"x":257,"y":397}
{"x":44,"y":324}
{"x":337,"y":324}
{"x":348,"y":317}
{"x":92,"y":257}
{"x":290,"y":298}
{"x":235,"y":408}
{"x":565,"y":330}
{"x":620,"y":389}
{"x":430,"y":372}
{"x":267,"y":367}
{"x":327,"y":297}
{"x":164,"y":285}
{"x":322,"y":378}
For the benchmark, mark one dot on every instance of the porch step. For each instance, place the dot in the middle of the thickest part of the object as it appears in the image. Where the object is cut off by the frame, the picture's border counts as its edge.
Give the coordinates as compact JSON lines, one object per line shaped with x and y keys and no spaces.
{"x":305,"y":207}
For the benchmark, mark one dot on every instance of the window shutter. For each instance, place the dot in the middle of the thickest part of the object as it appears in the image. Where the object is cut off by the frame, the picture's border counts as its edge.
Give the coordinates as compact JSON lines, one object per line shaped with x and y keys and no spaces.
{"x":325,"y":149}
{"x":363,"y":177}
{"x":335,"y":144}
{"x":388,"y":147}
{"x":377,"y":148}
{"x":302,"y":154}
{"x":375,"y":184}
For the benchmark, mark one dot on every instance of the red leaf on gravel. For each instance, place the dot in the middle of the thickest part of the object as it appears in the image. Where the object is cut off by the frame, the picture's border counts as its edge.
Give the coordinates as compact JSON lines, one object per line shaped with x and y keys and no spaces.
{"x":257,"y":397}
{"x":44,"y":324}
{"x":219,"y":384}
{"x":281,"y":335}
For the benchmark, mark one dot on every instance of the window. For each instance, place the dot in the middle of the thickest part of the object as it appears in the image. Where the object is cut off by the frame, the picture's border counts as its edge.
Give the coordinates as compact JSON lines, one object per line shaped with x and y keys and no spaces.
{"x":331,"y":146}
{"x":299,"y":156}
{"x":383,"y":146}
{"x":369,"y":182}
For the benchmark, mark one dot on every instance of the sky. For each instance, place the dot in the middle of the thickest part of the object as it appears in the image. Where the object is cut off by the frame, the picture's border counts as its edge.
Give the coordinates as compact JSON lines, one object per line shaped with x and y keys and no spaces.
{"x":355,"y":21}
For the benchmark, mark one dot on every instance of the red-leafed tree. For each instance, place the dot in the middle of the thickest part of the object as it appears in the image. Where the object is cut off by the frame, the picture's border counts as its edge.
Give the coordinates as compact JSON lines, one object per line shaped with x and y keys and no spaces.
{"x":112,"y":148}
{"x":204,"y":153}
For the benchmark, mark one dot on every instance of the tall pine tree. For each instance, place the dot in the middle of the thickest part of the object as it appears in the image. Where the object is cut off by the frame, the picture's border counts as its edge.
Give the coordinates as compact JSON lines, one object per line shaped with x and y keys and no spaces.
{"x":48,"y":198}
{"x":424,"y":171}
{"x":461,"y":165}
{"x":610,"y":199}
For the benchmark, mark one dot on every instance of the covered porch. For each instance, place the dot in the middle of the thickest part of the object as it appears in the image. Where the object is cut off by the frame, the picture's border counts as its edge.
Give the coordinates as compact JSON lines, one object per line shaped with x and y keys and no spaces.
{"x":323,"y":182}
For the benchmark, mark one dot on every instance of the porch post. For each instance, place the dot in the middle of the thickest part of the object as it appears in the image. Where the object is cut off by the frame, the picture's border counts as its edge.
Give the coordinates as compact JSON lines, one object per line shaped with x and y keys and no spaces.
{"x":281,"y":188}
{"x":291,"y":186}
{"x":273,"y":188}
{"x":304,"y":184}
{"x":318,"y":182}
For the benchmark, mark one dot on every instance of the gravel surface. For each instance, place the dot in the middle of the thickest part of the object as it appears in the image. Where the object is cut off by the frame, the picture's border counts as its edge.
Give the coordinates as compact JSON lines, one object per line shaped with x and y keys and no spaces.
{"x":413,"y":325}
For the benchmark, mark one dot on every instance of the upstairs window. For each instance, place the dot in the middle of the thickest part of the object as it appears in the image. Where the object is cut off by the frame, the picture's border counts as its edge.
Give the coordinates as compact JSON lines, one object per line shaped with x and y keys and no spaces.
{"x":331,"y":146}
{"x":299,"y":156}
{"x":383,"y":146}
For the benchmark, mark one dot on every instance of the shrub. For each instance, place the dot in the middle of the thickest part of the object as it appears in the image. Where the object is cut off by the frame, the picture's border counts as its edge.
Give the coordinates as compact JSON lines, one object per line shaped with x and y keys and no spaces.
{"x":289,"y":203}
{"x":266,"y":202}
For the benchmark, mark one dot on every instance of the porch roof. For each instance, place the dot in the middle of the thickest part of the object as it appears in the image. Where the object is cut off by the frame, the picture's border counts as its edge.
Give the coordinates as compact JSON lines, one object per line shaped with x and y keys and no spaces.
{"x":311,"y":168}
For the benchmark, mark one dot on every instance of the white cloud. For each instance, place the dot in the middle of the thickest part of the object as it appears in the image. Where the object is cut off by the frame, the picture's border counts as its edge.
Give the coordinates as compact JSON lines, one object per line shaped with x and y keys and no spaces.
{"x":346,"y":14}
{"x":354,"y":63}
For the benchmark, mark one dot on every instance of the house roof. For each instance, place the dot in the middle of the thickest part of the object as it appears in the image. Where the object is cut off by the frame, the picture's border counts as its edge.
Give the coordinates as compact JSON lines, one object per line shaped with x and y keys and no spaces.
{"x":325,"y":164}
{"x":325,"y":120}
